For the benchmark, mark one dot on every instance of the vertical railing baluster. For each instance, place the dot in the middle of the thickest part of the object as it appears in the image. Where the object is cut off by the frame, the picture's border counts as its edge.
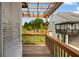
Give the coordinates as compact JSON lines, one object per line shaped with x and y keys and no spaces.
{"x":61,"y":52}
{"x":66,"y":54}
{"x":54,"y":49}
{"x":57,"y":50}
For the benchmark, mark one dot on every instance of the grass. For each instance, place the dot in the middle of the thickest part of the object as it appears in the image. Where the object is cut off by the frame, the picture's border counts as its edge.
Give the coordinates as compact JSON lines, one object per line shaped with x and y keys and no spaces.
{"x":33,"y":39}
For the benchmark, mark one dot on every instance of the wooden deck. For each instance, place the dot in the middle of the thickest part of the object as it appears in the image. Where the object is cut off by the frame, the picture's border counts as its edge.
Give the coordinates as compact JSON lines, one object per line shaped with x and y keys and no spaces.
{"x":35,"y":51}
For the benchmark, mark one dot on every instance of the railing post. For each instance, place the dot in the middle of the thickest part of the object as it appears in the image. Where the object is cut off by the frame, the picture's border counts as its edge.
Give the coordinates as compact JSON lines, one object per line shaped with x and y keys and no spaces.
{"x":66,"y":39}
{"x":60,"y":37}
{"x":61,"y":49}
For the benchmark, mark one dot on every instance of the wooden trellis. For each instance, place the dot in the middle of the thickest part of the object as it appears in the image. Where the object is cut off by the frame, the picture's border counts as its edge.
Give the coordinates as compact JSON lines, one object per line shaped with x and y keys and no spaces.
{"x":39,"y":9}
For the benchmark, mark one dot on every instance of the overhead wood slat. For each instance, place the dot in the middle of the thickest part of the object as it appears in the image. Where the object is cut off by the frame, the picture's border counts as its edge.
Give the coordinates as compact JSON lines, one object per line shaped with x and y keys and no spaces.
{"x":37,"y":8}
{"x":28,"y":11}
{"x":24,"y":5}
{"x":39,"y":2}
{"x":53,"y":8}
{"x":33,"y":15}
{"x":34,"y":11}
{"x":47,"y":8}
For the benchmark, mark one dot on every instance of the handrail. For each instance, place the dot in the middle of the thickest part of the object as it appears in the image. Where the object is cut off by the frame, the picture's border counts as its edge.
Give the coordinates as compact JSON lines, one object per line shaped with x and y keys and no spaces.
{"x":34,"y":34}
{"x":56,"y":47}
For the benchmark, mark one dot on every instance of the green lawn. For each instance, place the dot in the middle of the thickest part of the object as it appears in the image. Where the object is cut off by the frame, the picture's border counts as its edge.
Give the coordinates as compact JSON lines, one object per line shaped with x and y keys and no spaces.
{"x":33,"y":39}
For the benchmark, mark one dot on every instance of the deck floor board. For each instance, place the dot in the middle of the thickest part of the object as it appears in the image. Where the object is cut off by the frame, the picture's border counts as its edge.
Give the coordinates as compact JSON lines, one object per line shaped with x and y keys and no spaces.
{"x":35,"y":51}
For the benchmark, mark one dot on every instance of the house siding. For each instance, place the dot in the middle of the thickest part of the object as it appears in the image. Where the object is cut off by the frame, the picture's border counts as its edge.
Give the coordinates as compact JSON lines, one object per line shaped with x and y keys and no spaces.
{"x":11,"y":24}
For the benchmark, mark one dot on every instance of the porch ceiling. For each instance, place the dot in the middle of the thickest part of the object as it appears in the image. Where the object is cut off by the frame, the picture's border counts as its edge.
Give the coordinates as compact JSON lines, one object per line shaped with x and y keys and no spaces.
{"x":39,"y":9}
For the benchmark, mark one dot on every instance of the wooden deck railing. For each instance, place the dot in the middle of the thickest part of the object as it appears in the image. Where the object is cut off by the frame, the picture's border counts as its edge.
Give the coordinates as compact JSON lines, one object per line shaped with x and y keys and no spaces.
{"x":60,"y":49}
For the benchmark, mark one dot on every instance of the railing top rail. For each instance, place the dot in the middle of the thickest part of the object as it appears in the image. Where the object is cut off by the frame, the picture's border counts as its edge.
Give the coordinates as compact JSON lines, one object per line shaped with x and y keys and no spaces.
{"x":70,"y":50}
{"x":34,"y":34}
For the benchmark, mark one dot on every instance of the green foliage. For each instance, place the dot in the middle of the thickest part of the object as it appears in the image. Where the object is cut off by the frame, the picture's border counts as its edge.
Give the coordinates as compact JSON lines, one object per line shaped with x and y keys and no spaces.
{"x":38,"y":21}
{"x":23,"y":30}
{"x":26,"y":25}
{"x":35,"y":24}
{"x":41,"y":27}
{"x":30,"y":27}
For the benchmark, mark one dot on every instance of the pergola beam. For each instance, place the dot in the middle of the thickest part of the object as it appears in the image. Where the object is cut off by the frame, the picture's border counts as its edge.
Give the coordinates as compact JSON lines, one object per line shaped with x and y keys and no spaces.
{"x":40,"y":2}
{"x":28,"y":11}
{"x":35,"y":7}
{"x":33,"y":15}
{"x":34,"y":11}
{"x":53,"y":8}
{"x":24,"y":5}
{"x":47,"y":8}
{"x":39,"y":10}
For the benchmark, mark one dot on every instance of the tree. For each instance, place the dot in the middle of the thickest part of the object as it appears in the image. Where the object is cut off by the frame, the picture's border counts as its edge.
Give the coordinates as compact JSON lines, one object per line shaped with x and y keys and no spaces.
{"x":37,"y":22}
{"x":34,"y":24}
{"x":25,"y":25}
{"x":41,"y":27}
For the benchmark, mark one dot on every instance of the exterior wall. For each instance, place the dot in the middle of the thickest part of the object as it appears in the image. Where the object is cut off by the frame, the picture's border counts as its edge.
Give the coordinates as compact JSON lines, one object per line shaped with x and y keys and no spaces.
{"x":11,"y":17}
{"x":74,"y":40}
{"x":51,"y":27}
{"x":1,"y":41}
{"x":60,"y":18}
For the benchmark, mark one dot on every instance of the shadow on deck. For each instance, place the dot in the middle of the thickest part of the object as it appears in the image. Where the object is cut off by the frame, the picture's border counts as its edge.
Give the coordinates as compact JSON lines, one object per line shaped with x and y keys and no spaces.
{"x":35,"y":51}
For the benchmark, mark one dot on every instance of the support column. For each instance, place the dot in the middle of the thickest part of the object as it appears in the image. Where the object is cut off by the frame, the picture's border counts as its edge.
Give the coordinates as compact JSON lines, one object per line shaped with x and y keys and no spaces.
{"x":60,"y":37}
{"x":46,"y":30}
{"x":66,"y":39}
{"x":50,"y":33}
